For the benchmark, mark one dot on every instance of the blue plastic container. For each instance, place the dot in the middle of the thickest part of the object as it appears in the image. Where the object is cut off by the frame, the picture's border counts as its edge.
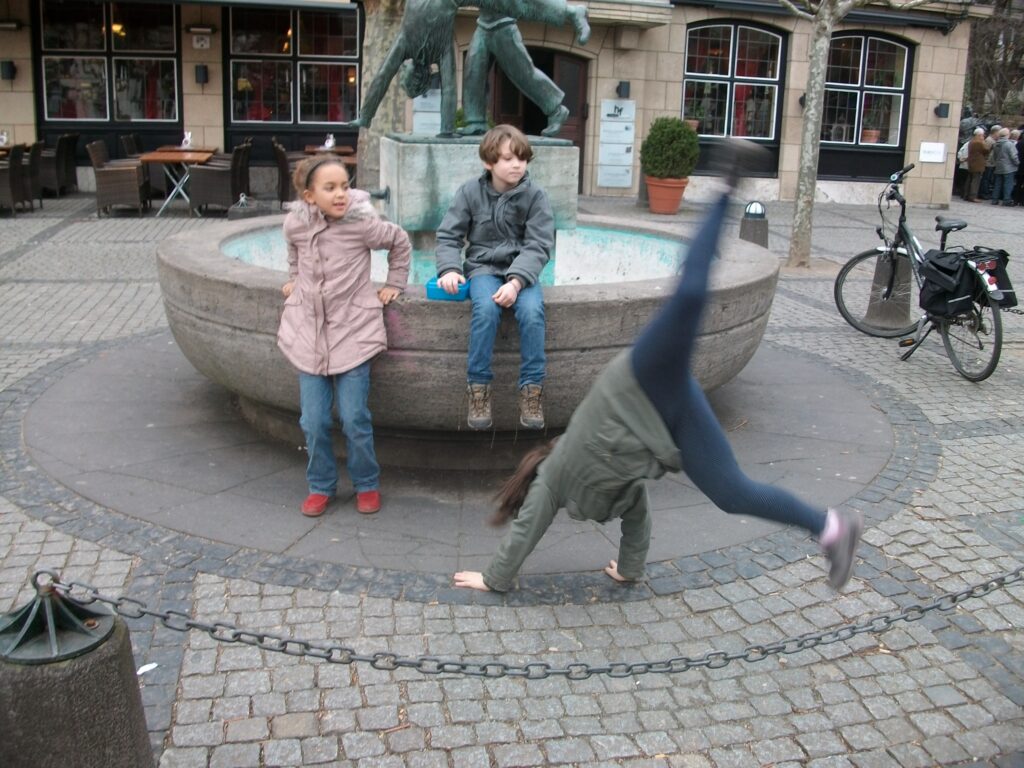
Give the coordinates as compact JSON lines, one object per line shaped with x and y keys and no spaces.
{"x":437,"y":293}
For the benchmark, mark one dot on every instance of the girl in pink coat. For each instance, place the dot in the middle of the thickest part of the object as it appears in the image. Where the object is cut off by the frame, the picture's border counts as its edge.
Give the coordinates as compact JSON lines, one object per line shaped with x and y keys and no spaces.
{"x":333,"y":322}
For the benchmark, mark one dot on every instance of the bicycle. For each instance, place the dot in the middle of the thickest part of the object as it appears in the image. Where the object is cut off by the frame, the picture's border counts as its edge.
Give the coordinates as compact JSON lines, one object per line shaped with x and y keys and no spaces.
{"x":877,"y":292}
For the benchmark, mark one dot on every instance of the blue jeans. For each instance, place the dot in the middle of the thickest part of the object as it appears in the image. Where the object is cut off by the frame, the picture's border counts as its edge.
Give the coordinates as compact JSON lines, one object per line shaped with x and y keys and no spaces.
{"x":1002,"y":192}
{"x":483,"y":327}
{"x":317,"y":395}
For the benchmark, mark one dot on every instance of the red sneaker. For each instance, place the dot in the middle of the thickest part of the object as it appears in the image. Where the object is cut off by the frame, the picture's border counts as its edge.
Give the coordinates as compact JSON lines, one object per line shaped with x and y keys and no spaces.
{"x":367,"y":502}
{"x":315,"y":505}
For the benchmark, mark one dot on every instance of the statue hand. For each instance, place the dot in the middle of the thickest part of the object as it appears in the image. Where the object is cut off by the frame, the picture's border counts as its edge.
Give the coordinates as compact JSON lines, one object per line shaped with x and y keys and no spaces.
{"x":580,"y":22}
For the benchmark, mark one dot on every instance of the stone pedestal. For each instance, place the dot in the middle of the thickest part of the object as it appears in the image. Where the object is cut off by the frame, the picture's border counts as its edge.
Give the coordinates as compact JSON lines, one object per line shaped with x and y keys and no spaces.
{"x":423,"y":174}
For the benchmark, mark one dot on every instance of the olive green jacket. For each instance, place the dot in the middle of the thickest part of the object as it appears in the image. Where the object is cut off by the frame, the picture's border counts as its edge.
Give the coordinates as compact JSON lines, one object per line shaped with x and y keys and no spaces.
{"x":614,"y":441}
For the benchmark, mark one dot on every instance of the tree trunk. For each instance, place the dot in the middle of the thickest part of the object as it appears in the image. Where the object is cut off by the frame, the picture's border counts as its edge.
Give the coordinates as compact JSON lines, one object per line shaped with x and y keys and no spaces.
{"x":383,"y":19}
{"x":810,"y":140}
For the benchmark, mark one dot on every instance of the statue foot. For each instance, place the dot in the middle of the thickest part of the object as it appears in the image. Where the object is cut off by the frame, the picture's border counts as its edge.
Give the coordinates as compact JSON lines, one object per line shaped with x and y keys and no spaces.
{"x":580,"y":22}
{"x":357,"y":123}
{"x":472,"y":129}
{"x":556,"y":120}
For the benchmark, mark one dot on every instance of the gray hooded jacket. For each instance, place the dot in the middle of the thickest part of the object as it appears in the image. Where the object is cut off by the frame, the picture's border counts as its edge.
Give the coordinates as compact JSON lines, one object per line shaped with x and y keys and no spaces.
{"x":509,"y":233}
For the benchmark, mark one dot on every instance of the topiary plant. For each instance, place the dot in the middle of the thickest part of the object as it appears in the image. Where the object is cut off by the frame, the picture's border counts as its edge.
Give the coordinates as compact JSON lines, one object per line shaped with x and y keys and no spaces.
{"x":670,"y":150}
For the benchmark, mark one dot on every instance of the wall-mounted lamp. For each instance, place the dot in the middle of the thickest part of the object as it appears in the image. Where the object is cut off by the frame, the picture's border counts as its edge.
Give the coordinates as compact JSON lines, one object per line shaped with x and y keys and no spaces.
{"x":202,"y":74}
{"x":200,"y":29}
{"x":942,"y":109}
{"x":10,"y":25}
{"x":803,"y":100}
{"x":7,"y":70}
{"x":622,"y":89}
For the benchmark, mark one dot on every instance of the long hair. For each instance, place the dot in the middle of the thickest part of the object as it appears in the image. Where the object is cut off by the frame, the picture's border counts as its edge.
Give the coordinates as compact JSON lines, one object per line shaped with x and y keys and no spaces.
{"x":513,"y":491}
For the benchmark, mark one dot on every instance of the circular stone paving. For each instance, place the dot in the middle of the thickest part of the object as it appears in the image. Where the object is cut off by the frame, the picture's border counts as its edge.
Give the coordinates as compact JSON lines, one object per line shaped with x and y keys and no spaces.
{"x":137,"y":430}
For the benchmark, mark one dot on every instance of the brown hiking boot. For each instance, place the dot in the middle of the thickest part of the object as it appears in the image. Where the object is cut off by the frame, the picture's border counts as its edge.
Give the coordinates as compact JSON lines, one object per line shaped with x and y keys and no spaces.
{"x":531,"y":410}
{"x":479,"y":406}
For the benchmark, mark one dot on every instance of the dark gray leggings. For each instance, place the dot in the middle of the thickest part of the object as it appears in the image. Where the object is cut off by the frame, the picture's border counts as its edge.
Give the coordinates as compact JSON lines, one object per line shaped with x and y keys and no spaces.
{"x":661,"y":362}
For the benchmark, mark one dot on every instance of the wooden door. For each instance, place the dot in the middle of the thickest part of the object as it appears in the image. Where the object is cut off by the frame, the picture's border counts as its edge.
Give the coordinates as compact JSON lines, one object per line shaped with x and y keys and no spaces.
{"x":569,"y":73}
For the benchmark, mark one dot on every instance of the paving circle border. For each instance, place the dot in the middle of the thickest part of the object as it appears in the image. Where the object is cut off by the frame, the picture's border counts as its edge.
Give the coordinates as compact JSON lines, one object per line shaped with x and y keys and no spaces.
{"x":912,"y":465}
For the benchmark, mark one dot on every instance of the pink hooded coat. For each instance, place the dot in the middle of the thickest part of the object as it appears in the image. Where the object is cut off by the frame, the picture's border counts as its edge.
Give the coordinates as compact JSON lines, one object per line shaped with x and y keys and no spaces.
{"x":333,"y":320}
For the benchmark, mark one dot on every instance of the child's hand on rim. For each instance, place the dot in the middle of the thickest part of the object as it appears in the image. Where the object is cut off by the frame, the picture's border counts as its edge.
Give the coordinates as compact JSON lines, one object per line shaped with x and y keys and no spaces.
{"x":471,"y":580}
{"x":387,"y":294}
{"x":287,"y":288}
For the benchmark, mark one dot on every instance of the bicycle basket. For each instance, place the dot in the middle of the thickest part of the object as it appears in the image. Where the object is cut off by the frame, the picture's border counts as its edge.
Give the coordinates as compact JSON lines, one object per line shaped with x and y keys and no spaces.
{"x":948,"y":285}
{"x":1002,"y":258}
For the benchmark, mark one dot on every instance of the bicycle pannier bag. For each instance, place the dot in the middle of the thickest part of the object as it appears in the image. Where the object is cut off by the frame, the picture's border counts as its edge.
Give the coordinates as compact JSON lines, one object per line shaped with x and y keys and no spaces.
{"x":948,"y":284}
{"x":1002,"y":278}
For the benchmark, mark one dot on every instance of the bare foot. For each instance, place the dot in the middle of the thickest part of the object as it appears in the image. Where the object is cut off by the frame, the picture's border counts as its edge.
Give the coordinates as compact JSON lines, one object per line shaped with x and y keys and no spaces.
{"x":612,"y":569}
{"x":471,"y":580}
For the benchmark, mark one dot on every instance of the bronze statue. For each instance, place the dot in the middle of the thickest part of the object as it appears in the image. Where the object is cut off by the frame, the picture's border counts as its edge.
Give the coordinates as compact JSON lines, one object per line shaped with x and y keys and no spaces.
{"x":426,"y":38}
{"x":497,"y":35}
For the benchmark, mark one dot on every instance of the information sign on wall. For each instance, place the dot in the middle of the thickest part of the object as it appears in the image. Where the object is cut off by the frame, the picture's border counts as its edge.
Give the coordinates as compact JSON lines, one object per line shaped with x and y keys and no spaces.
{"x":616,"y":142}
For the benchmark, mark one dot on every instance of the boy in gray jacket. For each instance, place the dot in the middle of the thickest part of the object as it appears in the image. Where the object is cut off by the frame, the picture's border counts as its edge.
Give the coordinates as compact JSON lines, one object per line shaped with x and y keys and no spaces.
{"x":510,"y":230}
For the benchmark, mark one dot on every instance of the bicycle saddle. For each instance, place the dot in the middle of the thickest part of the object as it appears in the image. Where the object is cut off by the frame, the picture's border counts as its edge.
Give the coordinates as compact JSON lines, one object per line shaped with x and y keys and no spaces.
{"x":949,"y":225}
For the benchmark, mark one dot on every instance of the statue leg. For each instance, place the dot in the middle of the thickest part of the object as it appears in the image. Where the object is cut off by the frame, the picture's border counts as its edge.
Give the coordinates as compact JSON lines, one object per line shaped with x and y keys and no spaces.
{"x":379,"y":86}
{"x":447,"y":70}
{"x":509,"y":51}
{"x":474,"y":85}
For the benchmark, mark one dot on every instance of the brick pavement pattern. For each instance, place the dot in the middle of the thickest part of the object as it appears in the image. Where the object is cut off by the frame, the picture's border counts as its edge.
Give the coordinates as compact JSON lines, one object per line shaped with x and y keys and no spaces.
{"x":947,"y":690}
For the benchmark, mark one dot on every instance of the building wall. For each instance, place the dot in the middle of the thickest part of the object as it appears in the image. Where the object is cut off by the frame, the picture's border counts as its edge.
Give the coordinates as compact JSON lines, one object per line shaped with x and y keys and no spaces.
{"x":203,"y":105}
{"x":17,"y":103}
{"x":650,"y":59}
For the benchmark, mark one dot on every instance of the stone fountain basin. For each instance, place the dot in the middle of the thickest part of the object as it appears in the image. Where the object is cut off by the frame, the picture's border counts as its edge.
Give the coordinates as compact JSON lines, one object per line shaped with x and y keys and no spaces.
{"x":224,"y":312}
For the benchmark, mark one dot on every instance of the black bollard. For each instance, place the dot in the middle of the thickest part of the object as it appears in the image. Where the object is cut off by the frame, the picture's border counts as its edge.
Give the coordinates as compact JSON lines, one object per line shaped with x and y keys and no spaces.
{"x":754,"y":224}
{"x":69,"y":695}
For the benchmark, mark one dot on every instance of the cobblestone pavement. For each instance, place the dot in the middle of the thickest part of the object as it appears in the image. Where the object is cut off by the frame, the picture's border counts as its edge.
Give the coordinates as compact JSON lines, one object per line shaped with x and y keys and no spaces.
{"x":945,"y":690}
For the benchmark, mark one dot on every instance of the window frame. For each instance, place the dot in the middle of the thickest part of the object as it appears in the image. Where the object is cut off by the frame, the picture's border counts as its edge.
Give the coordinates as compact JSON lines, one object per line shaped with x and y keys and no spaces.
{"x":900,"y":94}
{"x":296,"y":61}
{"x":109,"y":56}
{"x":732,"y":80}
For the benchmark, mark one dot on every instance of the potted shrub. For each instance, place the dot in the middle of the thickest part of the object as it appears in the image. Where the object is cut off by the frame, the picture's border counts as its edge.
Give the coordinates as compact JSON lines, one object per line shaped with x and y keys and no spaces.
{"x":667,"y":158}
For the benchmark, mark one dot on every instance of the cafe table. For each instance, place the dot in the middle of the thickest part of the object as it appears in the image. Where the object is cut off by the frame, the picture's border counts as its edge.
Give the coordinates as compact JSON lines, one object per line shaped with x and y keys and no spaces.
{"x":177,"y":165}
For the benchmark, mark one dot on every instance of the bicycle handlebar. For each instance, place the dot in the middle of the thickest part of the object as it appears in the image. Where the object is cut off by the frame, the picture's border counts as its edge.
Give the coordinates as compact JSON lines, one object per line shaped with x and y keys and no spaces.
{"x":898,"y":176}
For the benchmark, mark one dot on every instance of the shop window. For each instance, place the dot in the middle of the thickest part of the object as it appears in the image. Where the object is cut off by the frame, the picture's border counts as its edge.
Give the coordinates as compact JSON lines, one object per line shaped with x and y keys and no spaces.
{"x":145,"y":89}
{"x":72,"y":25}
{"x":865,"y":89}
{"x":263,"y":31}
{"x":328,"y":34}
{"x":732,"y":82}
{"x":142,"y":27}
{"x":76,"y":87}
{"x":327,"y":93}
{"x":262,"y":91}
{"x":263,"y":83}
{"x":88,"y":82}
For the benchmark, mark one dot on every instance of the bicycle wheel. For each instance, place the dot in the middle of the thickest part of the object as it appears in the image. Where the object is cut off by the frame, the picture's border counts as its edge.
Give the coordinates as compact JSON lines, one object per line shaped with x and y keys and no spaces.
{"x":974,"y":340}
{"x":876,"y":292}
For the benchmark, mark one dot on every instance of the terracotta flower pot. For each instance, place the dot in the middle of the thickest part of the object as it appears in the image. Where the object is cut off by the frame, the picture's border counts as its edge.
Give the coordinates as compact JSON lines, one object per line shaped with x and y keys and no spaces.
{"x":664,"y":194}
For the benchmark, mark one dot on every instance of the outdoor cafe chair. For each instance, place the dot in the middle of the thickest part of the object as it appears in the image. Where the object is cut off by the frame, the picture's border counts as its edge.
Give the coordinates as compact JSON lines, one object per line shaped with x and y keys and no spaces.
{"x":118,"y":182}
{"x":12,"y":188}
{"x":218,"y":184}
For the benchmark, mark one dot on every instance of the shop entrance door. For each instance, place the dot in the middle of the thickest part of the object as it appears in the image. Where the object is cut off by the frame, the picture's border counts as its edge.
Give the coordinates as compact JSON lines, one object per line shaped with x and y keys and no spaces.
{"x":569,"y":73}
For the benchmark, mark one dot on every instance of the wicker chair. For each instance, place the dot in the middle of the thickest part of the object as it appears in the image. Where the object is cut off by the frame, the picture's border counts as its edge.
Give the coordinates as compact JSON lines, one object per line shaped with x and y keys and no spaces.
{"x":12,"y":188}
{"x":217,"y":184}
{"x":131,"y":147}
{"x":53,"y":165}
{"x":31,"y":180}
{"x":285,"y":188}
{"x":118,"y":182}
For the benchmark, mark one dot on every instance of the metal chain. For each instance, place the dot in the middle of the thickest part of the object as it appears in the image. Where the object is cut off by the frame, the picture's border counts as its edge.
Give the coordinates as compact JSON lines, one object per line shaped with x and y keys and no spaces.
{"x":1013,"y":310}
{"x":224,"y":632}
